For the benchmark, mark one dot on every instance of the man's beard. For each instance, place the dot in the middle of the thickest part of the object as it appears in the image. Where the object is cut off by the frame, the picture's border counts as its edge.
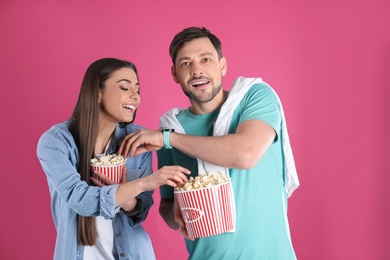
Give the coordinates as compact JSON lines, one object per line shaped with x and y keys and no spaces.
{"x":202,"y":98}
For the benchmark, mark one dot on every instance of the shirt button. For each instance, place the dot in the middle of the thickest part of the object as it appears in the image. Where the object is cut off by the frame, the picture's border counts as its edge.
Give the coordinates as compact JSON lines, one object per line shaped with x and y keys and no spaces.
{"x":118,"y":234}
{"x":123,"y":254}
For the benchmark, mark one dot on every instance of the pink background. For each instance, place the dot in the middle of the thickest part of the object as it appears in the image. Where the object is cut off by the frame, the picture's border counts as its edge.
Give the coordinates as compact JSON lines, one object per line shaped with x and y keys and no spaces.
{"x":328,"y":60}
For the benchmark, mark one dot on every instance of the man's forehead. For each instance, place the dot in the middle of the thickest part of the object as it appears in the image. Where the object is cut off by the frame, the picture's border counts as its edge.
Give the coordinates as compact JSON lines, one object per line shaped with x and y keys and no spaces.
{"x":199,"y":47}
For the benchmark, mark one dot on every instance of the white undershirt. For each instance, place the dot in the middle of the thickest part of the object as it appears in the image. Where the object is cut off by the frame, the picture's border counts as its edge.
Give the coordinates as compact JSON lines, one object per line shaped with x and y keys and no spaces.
{"x":104,"y":248}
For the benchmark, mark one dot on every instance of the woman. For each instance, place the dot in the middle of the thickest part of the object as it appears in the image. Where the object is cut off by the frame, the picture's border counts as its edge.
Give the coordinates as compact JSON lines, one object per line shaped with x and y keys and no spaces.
{"x":96,"y":220}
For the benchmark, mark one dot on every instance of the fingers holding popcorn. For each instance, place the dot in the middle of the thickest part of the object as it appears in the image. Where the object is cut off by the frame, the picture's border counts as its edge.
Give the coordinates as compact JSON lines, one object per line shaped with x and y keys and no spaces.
{"x":167,"y":175}
{"x":179,"y":220}
{"x":101,"y":179}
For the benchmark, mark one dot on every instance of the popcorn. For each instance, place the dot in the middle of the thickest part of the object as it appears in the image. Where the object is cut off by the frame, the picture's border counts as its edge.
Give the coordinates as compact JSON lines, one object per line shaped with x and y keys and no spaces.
{"x":108,"y":160}
{"x":207,"y":205}
{"x":111,"y":165}
{"x":202,"y":181}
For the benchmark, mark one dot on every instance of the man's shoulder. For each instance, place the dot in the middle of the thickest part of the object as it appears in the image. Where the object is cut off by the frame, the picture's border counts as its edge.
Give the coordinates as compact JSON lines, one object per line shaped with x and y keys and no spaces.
{"x":262,"y":90}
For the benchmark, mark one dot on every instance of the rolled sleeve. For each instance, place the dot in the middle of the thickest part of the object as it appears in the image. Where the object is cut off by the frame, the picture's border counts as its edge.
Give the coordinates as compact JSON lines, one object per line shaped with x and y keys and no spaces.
{"x":108,"y":209}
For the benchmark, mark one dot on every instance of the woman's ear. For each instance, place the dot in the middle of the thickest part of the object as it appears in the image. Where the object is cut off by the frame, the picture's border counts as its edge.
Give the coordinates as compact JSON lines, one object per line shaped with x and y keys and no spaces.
{"x":100,"y":97}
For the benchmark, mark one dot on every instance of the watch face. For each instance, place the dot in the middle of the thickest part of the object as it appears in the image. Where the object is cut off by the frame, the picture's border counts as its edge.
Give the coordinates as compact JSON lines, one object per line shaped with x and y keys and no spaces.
{"x":168,"y":130}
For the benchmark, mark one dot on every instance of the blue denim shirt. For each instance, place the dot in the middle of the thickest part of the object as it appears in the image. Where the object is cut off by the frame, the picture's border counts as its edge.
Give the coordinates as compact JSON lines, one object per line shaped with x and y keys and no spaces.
{"x":58,"y":155}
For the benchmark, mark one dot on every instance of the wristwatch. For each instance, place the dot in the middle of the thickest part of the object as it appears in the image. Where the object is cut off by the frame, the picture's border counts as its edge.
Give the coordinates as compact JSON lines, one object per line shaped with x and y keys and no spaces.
{"x":166,"y":132}
{"x":137,"y":208}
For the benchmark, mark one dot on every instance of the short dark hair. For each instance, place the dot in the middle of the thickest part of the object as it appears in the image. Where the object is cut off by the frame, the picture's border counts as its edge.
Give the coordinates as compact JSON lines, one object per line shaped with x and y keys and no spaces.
{"x":189,"y":34}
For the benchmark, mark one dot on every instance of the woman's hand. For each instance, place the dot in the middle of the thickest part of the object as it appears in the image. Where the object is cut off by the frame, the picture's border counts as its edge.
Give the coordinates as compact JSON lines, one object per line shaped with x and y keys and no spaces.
{"x":106,"y":180}
{"x":167,"y":175}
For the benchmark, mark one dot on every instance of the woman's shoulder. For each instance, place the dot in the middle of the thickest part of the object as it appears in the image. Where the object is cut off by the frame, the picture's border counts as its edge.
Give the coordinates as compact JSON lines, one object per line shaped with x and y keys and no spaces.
{"x":58,"y":129}
{"x":130,"y":128}
{"x":57,"y":135}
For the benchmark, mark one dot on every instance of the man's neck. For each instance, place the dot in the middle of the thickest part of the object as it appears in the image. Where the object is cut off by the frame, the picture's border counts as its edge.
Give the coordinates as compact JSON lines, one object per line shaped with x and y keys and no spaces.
{"x":208,"y":107}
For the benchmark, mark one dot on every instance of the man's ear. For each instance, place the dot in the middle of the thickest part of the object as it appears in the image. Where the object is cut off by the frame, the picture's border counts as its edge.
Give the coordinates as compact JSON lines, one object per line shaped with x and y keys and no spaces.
{"x":223,"y":64}
{"x":173,"y":71}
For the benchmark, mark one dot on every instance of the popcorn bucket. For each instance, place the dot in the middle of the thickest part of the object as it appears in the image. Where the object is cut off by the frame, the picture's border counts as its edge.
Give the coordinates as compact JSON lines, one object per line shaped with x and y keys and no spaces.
{"x":207,"y":211}
{"x":113,"y":172}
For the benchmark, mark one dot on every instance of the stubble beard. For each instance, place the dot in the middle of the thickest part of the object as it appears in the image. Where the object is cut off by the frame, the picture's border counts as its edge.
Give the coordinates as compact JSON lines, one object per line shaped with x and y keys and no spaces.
{"x":203,"y":98}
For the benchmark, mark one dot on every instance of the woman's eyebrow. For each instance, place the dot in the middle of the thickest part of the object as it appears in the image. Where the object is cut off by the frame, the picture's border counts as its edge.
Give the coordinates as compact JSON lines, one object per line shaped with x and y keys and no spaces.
{"x":128,"y":81}
{"x":123,"y":80}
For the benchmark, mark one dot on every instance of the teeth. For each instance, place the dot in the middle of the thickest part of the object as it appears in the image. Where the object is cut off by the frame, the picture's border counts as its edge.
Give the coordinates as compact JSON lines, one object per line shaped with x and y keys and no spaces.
{"x":129,"y":106}
{"x":199,"y":83}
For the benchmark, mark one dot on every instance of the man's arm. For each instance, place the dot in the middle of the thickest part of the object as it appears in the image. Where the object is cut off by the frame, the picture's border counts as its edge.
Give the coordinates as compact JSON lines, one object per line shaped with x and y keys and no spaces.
{"x":170,"y":212}
{"x":241,"y":150}
{"x":167,"y":212}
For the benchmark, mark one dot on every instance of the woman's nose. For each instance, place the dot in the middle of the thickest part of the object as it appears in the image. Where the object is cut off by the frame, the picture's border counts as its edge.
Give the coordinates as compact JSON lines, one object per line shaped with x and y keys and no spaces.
{"x":134,"y":95}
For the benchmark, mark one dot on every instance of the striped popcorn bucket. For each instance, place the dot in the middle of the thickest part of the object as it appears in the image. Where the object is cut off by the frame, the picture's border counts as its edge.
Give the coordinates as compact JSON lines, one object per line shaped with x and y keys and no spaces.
{"x":207,"y":211}
{"x":113,"y":172}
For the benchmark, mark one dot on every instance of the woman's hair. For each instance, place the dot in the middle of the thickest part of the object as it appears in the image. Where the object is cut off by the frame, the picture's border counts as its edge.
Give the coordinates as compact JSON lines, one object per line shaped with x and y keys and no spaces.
{"x":190,"y":34}
{"x":84,"y":128}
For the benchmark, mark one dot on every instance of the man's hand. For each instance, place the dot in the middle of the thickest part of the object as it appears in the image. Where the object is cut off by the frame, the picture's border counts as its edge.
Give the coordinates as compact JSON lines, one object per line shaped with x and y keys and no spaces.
{"x":179,"y":220}
{"x":140,"y":142}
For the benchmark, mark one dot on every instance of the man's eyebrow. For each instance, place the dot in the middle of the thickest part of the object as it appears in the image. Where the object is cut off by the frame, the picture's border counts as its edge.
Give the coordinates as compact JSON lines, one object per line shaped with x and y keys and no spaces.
{"x":206,"y":54}
{"x":201,"y":55}
{"x":183,"y":58}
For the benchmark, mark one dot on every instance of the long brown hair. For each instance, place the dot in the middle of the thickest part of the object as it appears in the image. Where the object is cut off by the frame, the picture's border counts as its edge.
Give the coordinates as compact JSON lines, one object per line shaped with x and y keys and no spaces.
{"x":84,"y":128}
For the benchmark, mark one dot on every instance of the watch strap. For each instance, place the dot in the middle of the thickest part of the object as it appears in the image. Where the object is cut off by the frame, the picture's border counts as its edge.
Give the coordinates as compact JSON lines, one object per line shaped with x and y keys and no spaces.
{"x":166,"y":133}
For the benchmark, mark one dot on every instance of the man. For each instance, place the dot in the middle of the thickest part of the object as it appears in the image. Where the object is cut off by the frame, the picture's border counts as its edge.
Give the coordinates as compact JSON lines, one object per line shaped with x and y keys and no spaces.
{"x":243,"y":133}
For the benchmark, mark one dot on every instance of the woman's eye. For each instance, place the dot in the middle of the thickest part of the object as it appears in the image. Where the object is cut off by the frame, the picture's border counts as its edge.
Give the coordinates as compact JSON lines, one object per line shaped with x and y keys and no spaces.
{"x":206,"y":59}
{"x":124,"y":88}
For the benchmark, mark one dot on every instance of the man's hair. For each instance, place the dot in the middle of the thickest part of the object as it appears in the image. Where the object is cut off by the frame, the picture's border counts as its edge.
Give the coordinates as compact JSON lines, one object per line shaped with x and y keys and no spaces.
{"x":189,"y":34}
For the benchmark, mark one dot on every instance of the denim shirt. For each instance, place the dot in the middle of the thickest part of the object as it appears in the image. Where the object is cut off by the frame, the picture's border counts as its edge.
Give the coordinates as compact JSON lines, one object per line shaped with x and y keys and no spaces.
{"x":58,"y":155}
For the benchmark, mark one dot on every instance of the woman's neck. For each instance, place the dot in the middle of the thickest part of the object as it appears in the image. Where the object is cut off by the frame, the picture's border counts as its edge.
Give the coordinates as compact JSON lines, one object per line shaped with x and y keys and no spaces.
{"x":103,"y":137}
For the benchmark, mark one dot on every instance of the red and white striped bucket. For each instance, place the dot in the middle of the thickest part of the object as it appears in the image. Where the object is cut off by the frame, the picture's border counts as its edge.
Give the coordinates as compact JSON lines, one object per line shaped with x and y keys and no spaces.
{"x":113,"y":172}
{"x":207,"y":211}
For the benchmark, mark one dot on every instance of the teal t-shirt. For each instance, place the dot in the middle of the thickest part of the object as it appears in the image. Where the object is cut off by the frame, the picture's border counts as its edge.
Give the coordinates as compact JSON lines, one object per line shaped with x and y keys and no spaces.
{"x":262,"y":230}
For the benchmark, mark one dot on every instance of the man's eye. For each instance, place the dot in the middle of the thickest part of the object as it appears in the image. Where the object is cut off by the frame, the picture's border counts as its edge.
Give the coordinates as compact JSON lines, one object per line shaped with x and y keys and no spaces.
{"x":184,"y":64}
{"x":206,"y":59}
